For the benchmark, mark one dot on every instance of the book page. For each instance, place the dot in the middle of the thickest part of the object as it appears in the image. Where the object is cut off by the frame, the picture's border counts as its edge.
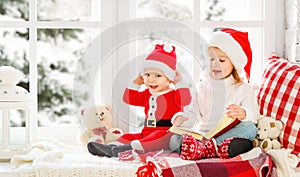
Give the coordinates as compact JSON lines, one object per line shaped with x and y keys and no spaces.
{"x":224,"y":122}
{"x":182,"y":131}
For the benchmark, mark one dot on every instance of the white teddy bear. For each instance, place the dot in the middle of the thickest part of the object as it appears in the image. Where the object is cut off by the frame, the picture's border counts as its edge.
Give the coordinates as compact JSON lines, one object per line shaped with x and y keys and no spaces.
{"x":96,"y":124}
{"x":269,"y":130}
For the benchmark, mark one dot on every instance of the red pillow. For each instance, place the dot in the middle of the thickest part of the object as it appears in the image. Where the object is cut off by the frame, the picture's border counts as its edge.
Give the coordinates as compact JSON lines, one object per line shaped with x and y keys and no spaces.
{"x":279,"y":97}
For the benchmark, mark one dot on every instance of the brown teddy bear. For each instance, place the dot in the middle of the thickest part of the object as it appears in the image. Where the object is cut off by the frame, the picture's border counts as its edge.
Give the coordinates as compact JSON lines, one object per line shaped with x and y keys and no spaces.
{"x":96,"y":125}
{"x":269,"y":130}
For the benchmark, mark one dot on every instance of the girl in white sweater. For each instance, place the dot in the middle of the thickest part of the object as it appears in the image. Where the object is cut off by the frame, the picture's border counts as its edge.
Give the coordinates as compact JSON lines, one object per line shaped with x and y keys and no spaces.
{"x":223,"y":92}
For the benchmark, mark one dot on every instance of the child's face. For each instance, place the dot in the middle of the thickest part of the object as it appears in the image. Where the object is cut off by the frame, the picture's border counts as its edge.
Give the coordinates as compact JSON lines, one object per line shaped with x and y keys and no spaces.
{"x":155,"y":80}
{"x":220,"y":64}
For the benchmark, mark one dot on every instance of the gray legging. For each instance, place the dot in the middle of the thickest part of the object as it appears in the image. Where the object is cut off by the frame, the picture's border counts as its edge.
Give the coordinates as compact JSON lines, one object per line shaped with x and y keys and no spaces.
{"x":246,"y":129}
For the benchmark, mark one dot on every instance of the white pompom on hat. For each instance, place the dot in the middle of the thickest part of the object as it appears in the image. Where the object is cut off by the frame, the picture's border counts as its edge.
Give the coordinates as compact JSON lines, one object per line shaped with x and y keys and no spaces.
{"x":236,"y":46}
{"x":162,"y":57}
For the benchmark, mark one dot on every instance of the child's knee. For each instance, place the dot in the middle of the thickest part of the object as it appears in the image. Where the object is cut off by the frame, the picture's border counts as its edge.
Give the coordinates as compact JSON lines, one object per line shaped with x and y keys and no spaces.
{"x":251,"y":130}
{"x":175,"y":143}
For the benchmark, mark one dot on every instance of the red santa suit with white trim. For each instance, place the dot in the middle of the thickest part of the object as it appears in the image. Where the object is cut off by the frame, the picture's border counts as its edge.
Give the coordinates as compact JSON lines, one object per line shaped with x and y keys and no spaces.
{"x":160,"y":100}
{"x":162,"y":106}
{"x":159,"y":106}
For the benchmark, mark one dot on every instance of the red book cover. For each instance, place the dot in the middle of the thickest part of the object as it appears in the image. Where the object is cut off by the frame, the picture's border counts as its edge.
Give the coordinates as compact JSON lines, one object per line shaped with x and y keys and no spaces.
{"x":226,"y":128}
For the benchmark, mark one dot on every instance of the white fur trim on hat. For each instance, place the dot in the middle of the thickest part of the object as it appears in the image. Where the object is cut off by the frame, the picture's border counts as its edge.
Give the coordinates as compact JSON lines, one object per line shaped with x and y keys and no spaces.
{"x":231,"y":47}
{"x":170,"y":73}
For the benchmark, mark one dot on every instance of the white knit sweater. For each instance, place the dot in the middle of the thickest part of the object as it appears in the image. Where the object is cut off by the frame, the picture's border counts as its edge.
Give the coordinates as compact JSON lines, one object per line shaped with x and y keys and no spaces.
{"x":212,"y":97}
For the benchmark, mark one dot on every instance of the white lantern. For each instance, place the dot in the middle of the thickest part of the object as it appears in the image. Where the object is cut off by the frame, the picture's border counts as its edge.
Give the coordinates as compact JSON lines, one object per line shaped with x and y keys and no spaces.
{"x":13,"y":98}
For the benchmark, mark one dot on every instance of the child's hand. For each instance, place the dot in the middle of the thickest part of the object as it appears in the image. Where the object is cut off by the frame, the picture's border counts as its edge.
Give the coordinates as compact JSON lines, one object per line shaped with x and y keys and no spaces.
{"x":236,"y":112}
{"x":138,"y":80}
{"x":178,"y":77}
{"x":179,"y":120}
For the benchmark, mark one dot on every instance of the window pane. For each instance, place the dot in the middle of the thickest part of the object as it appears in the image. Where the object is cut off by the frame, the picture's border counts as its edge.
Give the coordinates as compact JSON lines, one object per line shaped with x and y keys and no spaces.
{"x":232,"y":10}
{"x":69,"y":10}
{"x":14,"y":49}
{"x":172,"y":9}
{"x":58,"y":51}
{"x":12,"y":10}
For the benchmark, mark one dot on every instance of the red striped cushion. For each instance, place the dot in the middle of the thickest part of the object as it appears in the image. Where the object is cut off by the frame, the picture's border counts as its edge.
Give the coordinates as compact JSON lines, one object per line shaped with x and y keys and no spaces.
{"x":279,"y":97}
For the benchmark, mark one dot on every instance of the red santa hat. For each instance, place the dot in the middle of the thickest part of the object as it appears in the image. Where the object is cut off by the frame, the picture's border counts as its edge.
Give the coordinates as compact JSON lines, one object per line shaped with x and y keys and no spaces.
{"x":162,"y":57}
{"x":236,"y":46}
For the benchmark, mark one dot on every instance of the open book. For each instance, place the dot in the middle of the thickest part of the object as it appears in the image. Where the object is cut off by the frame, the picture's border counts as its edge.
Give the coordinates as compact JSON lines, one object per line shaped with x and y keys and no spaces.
{"x":225,"y":124}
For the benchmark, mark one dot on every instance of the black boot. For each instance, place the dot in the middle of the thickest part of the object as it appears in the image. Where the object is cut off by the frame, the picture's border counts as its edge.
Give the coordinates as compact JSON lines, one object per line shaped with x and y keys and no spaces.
{"x":238,"y":146}
{"x":232,"y":147}
{"x":100,"y":149}
{"x":116,"y":149}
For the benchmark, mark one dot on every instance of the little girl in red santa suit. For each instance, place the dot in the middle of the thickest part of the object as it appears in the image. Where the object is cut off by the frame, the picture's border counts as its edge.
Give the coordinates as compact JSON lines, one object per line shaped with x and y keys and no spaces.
{"x":222,"y":92}
{"x":160,"y":100}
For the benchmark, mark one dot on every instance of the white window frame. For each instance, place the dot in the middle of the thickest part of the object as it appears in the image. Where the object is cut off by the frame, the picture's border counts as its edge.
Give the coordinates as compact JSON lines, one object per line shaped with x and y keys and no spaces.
{"x":272,"y":41}
{"x":113,"y":11}
{"x":68,"y":134}
{"x":108,"y":17}
{"x":273,"y":12}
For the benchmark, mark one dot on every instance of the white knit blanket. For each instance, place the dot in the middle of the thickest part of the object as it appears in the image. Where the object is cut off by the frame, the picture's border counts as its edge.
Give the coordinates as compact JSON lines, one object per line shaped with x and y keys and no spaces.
{"x":50,"y":158}
{"x":285,"y":162}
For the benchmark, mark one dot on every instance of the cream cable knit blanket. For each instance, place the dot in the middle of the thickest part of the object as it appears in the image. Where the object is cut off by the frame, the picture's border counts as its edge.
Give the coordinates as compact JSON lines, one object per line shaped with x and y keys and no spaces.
{"x":286,"y":162}
{"x":49,"y":158}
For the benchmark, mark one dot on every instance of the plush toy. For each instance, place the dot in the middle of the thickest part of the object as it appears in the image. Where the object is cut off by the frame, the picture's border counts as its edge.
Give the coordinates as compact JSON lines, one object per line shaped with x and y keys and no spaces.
{"x":96,"y":124}
{"x":269,"y":130}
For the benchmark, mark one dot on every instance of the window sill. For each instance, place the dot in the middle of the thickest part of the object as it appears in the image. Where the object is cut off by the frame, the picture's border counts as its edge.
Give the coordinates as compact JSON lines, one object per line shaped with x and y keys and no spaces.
{"x":65,"y":134}
{"x":7,"y":170}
